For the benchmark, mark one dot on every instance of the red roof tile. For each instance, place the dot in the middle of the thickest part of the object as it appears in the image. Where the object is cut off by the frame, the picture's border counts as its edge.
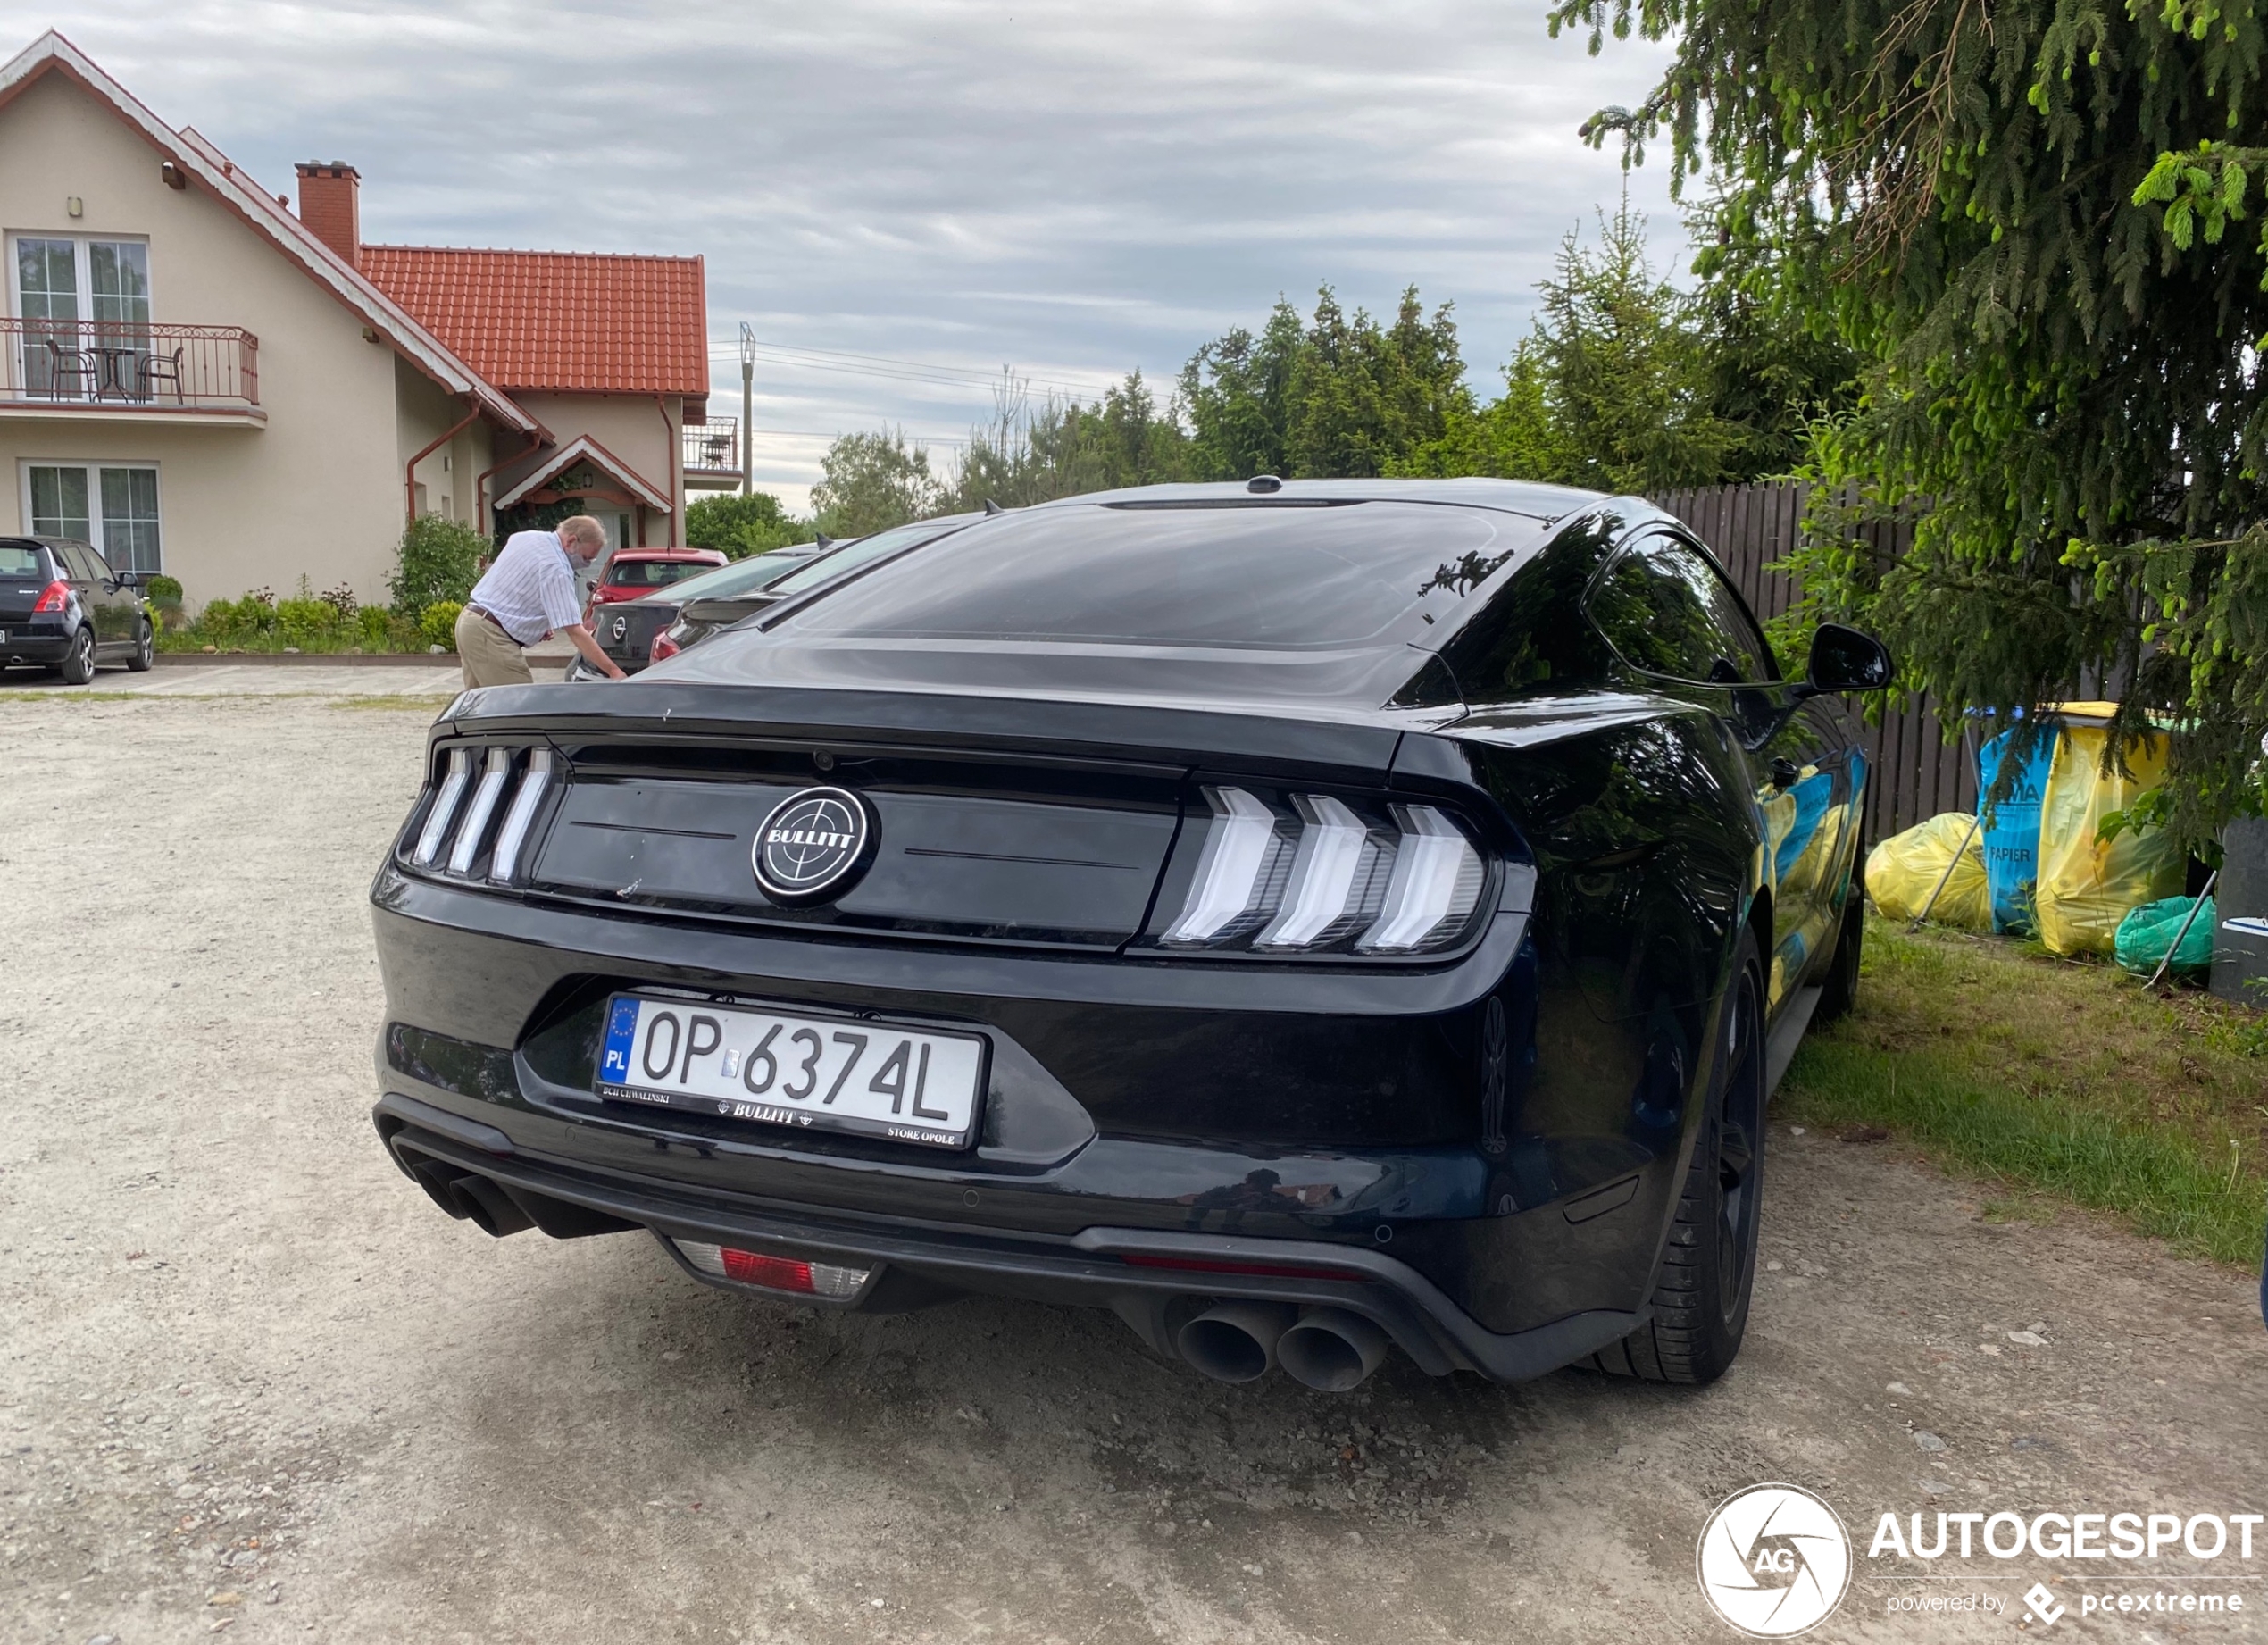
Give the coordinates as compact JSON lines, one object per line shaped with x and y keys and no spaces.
{"x":566,"y":322}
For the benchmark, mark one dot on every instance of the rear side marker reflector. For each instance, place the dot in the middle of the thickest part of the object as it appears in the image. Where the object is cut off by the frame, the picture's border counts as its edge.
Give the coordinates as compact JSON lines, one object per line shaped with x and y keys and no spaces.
{"x":1317,"y":878}
{"x":783,"y":1273}
{"x":1266,"y":1270}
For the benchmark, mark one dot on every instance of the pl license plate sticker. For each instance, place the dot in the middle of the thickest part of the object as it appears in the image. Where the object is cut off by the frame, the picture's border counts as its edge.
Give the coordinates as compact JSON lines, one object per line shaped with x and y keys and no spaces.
{"x":827,"y":1074}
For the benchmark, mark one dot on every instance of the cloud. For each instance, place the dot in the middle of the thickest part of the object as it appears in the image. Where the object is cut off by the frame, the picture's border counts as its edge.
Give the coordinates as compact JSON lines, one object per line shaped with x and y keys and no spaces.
{"x":1074,"y":190}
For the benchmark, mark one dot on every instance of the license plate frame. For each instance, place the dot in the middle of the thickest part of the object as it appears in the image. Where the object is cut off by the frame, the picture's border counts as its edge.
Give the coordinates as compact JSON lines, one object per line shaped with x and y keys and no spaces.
{"x":940,"y":1075}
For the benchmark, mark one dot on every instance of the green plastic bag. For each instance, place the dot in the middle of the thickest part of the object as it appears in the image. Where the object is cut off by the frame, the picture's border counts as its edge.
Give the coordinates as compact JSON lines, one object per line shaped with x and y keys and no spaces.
{"x":2145,"y":933}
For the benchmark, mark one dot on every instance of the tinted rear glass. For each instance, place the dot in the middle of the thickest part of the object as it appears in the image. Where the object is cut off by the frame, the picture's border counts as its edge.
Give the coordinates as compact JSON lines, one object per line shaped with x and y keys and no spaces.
{"x":1294,"y":578}
{"x":652,"y":573}
{"x":18,"y":560}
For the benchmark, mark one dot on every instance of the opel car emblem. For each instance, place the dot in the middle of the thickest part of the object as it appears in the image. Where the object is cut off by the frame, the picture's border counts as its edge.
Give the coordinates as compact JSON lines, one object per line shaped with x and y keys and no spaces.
{"x":813,"y":844}
{"x":621,"y":627}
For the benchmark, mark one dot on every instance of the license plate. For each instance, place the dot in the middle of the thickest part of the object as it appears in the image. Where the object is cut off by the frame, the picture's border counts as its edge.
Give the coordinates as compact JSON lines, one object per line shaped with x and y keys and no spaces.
{"x":824,"y":1074}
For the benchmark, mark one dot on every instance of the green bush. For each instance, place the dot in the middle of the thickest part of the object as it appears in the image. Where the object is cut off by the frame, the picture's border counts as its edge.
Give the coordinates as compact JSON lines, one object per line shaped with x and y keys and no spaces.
{"x":307,"y":624}
{"x":438,"y":625}
{"x":163,"y":592}
{"x":439,"y":562}
{"x":372,"y":622}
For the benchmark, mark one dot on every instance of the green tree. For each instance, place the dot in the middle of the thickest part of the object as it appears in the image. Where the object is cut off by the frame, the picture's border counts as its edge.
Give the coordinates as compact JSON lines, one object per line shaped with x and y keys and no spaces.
{"x":1615,"y":388}
{"x":1339,"y":396}
{"x":870,"y":482}
{"x":1975,"y":195}
{"x":1030,"y":454}
{"x":741,"y":525}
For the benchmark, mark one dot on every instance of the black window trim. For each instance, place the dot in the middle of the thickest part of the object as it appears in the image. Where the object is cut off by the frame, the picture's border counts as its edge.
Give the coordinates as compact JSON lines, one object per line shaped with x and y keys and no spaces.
{"x":1635,"y":542}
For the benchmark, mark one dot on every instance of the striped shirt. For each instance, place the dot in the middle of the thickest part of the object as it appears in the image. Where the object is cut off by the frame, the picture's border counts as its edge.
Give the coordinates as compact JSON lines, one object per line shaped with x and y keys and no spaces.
{"x":530,"y":588}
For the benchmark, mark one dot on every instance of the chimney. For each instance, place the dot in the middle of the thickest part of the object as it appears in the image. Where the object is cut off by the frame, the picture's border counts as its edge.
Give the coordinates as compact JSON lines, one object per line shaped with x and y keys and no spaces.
{"x":331,"y":205}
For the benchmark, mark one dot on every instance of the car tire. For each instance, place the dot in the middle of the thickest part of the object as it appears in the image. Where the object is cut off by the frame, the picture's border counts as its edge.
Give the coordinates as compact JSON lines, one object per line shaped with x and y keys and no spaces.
{"x":78,"y":666}
{"x":1839,"y":991}
{"x":144,"y":652}
{"x":1707,"y":1277}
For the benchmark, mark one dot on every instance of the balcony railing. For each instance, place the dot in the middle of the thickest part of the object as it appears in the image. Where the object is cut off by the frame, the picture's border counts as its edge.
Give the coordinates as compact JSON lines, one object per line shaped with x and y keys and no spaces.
{"x":712,"y":454}
{"x":102,"y":364}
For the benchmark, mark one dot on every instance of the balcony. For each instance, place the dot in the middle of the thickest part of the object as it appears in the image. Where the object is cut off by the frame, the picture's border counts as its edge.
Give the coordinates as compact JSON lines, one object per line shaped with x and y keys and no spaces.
{"x":711,"y":454}
{"x":129,"y":371}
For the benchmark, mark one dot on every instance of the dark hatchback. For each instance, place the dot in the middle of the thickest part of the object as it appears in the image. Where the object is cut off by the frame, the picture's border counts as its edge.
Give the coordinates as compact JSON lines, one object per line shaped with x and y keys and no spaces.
{"x":1304,"y":918}
{"x":62,"y":608}
{"x":626,"y":630}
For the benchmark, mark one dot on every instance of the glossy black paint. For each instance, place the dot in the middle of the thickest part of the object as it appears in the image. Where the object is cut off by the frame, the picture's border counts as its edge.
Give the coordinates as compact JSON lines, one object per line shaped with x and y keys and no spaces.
{"x":103,"y":613}
{"x":1503,"y":1122}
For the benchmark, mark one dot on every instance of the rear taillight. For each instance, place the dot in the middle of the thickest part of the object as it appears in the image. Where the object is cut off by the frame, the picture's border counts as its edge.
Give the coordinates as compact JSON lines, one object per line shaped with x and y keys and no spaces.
{"x":467,"y":804}
{"x":785,"y":1274}
{"x":664,"y":648}
{"x":53,"y":597}
{"x":1321,"y":876}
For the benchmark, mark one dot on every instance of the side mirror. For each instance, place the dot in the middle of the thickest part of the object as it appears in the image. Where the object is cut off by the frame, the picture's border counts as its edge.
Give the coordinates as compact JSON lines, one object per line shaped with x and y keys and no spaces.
{"x":1846,"y":660}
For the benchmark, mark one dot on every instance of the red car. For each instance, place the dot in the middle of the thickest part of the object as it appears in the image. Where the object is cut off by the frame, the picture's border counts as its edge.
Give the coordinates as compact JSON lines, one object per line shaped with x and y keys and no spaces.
{"x":633,"y":572}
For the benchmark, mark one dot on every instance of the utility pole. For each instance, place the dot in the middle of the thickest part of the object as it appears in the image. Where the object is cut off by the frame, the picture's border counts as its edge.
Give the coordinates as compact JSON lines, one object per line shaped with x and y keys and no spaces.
{"x":747,"y":408}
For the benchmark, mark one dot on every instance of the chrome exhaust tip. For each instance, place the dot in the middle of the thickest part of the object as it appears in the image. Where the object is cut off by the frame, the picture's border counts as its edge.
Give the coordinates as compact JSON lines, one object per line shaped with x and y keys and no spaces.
{"x":1330,"y":1350}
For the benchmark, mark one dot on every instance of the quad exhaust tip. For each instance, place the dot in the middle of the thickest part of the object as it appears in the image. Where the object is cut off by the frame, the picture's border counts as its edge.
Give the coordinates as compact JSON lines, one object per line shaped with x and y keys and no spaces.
{"x":1328,"y":1349}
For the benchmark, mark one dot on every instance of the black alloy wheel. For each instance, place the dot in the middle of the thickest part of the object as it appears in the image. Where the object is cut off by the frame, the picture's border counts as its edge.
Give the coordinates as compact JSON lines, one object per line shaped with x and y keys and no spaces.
{"x":78,"y":666}
{"x":144,"y":652}
{"x":1708,"y":1272}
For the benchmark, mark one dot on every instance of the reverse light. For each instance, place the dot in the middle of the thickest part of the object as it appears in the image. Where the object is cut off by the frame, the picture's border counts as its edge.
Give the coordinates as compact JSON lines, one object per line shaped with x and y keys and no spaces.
{"x":1233,"y":871}
{"x":445,"y":808}
{"x":484,"y":806}
{"x":785,"y":1274}
{"x":522,"y":814}
{"x":52,"y":598}
{"x":1436,"y":883}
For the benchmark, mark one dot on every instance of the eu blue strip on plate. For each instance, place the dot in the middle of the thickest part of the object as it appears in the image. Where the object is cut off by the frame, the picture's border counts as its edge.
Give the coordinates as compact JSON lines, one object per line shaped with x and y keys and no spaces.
{"x":621,"y":1030}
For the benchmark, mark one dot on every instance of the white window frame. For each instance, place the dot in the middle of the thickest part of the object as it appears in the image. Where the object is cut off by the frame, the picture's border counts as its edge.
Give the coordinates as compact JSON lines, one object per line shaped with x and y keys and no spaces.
{"x":94,"y":467}
{"x":82,"y":276}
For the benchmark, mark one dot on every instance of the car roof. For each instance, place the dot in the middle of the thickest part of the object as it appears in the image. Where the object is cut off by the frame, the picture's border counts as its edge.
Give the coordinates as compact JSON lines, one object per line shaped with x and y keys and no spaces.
{"x":1516,"y":497}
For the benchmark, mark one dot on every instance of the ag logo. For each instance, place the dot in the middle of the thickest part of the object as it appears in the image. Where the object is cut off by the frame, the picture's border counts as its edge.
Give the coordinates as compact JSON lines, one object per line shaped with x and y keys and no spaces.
{"x":811,"y":844}
{"x":1774,"y":1561}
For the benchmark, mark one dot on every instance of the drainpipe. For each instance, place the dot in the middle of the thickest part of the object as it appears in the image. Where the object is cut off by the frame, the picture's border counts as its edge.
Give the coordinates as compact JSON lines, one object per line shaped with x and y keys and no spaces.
{"x":409,"y":474}
{"x":672,"y":453}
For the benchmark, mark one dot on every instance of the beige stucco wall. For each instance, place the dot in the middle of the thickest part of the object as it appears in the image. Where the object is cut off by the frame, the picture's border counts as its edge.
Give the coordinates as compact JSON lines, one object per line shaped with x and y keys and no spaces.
{"x":423,"y":414}
{"x":629,"y":425}
{"x":318,"y":490}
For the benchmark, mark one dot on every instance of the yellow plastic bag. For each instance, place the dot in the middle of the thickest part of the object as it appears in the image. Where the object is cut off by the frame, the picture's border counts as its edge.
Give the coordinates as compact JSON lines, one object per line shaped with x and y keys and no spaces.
{"x":1904,"y":870}
{"x":2087,"y":885}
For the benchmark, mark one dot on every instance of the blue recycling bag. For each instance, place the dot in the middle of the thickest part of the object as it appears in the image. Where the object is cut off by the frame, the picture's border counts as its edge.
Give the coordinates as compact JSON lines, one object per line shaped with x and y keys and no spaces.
{"x":2011,"y":830}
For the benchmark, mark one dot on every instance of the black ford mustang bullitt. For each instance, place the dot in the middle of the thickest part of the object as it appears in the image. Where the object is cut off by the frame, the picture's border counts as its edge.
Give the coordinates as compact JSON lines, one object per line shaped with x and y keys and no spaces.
{"x":1308,"y":918}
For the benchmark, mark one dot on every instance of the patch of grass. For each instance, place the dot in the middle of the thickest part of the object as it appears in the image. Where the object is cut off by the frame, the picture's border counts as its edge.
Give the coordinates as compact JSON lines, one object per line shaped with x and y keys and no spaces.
{"x":2051,"y":1079}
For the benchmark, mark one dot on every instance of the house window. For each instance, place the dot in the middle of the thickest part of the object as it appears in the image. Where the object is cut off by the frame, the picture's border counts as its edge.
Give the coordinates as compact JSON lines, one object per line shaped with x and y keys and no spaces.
{"x":88,"y":305}
{"x":114,"y":507}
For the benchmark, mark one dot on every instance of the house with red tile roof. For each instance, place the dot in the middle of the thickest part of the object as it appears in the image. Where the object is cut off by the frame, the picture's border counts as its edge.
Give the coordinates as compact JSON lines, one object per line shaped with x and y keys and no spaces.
{"x":201,"y":380}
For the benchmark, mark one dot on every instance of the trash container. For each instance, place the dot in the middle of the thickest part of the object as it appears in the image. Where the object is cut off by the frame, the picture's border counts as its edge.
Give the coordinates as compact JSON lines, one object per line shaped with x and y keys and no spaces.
{"x":2241,"y":943}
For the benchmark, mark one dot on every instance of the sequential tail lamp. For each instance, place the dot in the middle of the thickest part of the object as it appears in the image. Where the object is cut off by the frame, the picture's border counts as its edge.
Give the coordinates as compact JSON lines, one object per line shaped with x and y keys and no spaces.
{"x":52,"y":598}
{"x":522,"y":812}
{"x":445,"y":808}
{"x":484,"y":806}
{"x":1406,"y":880}
{"x":780,"y":1273}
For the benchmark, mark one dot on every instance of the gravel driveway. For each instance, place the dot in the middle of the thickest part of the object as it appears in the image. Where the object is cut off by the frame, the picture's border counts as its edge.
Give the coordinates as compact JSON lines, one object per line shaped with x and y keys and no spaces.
{"x":252,"y":1382}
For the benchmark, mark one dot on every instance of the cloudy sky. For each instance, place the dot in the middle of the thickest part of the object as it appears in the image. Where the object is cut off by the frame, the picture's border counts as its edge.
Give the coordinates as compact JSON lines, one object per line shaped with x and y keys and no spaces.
{"x":1070,"y":189}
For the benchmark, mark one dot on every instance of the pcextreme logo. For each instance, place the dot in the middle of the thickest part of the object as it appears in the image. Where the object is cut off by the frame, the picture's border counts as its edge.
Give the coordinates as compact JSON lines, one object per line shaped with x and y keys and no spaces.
{"x":1774,"y":1561}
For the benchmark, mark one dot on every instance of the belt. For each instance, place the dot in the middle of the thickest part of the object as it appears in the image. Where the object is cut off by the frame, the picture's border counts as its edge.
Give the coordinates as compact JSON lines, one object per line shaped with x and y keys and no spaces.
{"x":482,"y":611}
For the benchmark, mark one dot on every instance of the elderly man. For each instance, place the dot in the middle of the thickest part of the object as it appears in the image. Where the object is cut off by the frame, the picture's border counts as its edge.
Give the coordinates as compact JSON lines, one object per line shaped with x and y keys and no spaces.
{"x":528,"y":594}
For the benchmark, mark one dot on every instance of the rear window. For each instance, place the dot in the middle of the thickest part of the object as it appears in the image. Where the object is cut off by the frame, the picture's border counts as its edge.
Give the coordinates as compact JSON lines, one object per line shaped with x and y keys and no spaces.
{"x":1234,"y":578}
{"x":652,"y":573}
{"x":22,"y":560}
{"x":717,"y":581}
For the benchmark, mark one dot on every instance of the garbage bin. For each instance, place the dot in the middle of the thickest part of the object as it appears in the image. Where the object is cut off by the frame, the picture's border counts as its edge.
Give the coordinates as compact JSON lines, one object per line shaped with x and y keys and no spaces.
{"x":2241,"y":944}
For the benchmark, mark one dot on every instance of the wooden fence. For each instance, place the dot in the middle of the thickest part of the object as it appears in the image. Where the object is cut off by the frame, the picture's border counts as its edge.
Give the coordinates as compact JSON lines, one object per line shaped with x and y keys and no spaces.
{"x":1917,"y":774}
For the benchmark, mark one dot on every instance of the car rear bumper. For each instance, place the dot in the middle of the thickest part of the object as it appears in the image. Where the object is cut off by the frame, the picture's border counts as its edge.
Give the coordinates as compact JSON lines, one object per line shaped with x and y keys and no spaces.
{"x":38,"y":650}
{"x":1131,"y":1271}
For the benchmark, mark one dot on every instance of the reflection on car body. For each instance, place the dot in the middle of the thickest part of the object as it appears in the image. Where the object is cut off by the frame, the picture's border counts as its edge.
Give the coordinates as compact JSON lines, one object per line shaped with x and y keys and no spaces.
{"x":1378,"y":910}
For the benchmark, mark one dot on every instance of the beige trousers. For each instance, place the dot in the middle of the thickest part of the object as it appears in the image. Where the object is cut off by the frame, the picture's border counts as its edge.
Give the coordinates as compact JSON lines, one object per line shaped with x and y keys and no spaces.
{"x":489,"y":655}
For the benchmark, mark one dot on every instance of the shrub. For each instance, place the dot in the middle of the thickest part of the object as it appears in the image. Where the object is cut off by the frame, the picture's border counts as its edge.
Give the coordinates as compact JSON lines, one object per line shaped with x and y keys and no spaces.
{"x":306,"y":623}
{"x":372,"y":622}
{"x":438,"y":624}
{"x":341,"y":600}
{"x":437,"y":563}
{"x":163,"y":592}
